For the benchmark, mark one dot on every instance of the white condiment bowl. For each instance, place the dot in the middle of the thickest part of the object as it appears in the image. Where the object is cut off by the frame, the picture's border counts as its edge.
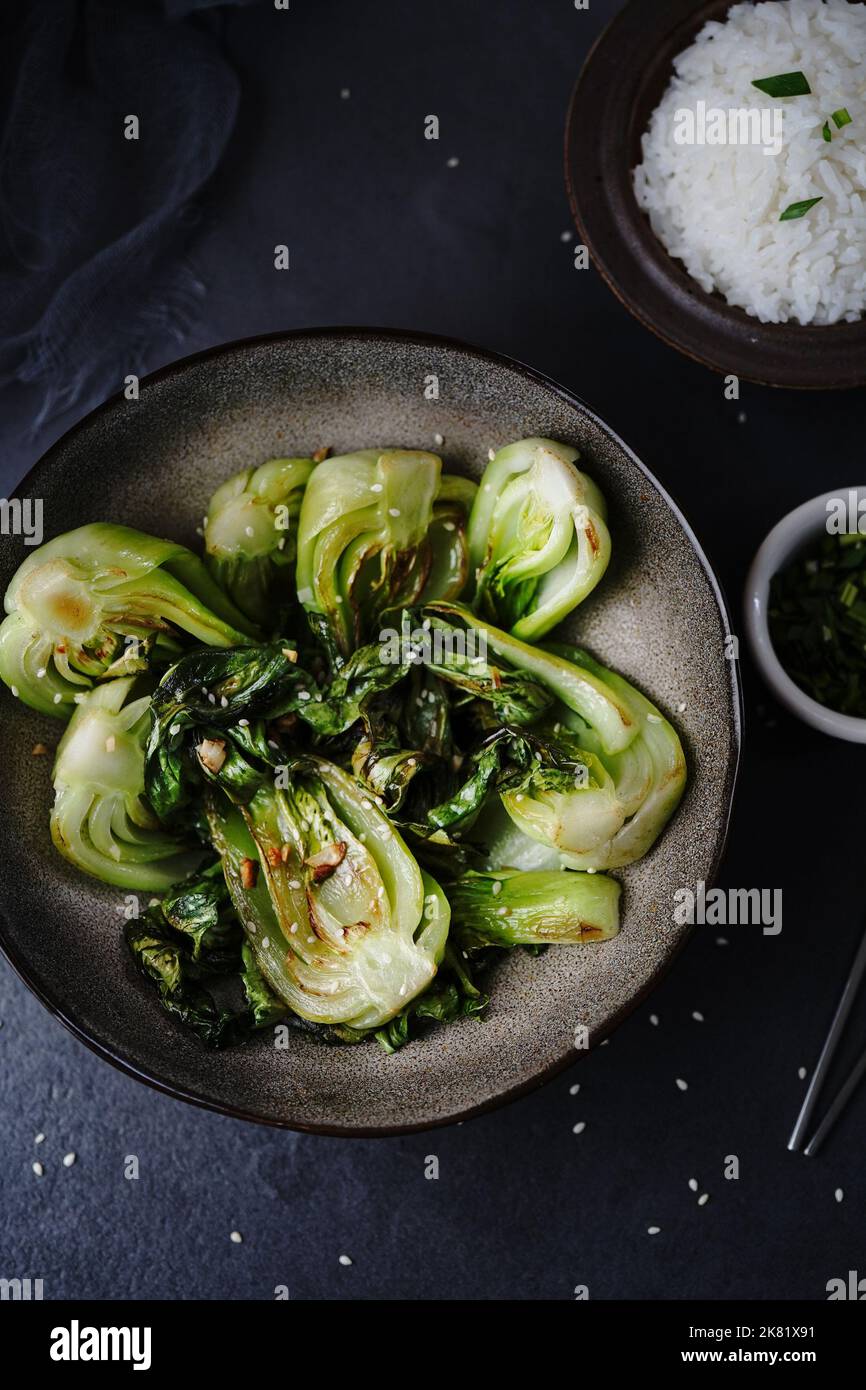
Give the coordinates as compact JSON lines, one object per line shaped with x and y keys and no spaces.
{"x":794,"y":533}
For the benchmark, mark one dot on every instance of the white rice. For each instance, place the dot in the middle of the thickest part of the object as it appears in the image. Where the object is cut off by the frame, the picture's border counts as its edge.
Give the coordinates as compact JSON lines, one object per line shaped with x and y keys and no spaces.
{"x":717,"y":207}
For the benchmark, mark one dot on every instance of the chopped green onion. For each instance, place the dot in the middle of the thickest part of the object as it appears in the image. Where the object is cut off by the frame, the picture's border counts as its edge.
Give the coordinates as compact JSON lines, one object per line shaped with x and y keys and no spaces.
{"x":786,"y":84}
{"x":817,"y":618}
{"x":848,"y":594}
{"x":842,"y":117}
{"x":828,"y":134}
{"x":799,"y":209}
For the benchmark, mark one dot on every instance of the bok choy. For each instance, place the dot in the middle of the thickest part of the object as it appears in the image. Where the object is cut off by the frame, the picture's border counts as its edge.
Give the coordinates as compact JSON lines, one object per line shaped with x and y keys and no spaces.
{"x":378,"y":531}
{"x":335,"y":746}
{"x":85,"y":605}
{"x":100,"y":821}
{"x":538,"y":538}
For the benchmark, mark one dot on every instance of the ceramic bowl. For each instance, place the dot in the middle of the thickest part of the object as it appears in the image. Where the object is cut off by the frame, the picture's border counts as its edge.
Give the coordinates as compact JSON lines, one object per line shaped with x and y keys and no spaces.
{"x":621,"y":84}
{"x":659,"y":618}
{"x":795,"y":533}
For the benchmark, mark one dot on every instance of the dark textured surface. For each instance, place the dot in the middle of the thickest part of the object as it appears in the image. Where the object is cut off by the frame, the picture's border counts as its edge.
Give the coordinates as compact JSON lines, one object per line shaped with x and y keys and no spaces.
{"x":656,"y":619}
{"x":382,"y":231}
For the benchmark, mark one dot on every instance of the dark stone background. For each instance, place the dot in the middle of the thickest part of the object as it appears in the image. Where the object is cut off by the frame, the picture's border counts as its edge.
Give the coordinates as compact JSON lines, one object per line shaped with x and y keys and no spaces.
{"x":382,"y":232}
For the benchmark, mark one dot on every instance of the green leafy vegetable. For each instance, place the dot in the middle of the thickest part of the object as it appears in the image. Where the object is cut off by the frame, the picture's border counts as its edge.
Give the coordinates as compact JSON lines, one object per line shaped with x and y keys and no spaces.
{"x":378,"y":531}
{"x":538,"y":538}
{"x":842,"y":117}
{"x":100,"y":820}
{"x":581,"y":690}
{"x":535,"y":909}
{"x":786,"y":84}
{"x":343,"y":924}
{"x":649,"y":776}
{"x":251,"y":535}
{"x":798,"y":210}
{"x":82,"y":604}
{"x":192,"y":948}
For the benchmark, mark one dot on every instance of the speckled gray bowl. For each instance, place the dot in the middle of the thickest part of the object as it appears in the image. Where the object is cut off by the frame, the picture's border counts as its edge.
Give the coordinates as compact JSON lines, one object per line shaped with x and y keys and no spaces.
{"x":659,"y":618}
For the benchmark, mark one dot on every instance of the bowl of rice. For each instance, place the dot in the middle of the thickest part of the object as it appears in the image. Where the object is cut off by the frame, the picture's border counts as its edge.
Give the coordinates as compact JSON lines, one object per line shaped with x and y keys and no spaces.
{"x":716,"y":166}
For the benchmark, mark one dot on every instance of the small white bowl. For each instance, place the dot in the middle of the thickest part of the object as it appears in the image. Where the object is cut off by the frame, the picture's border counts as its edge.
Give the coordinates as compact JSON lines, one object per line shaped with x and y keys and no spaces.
{"x":793,"y":534}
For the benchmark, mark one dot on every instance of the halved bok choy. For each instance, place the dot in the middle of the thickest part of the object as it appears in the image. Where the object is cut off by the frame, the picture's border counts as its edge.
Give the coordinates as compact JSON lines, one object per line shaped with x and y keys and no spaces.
{"x":101,"y":821}
{"x":251,"y":538}
{"x":538,"y":538}
{"x":379,"y":530}
{"x":83,"y":606}
{"x":344,"y":926}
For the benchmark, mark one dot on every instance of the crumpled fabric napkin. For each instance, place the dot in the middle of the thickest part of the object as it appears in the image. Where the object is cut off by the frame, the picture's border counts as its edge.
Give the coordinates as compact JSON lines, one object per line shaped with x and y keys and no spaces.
{"x":96,"y":229}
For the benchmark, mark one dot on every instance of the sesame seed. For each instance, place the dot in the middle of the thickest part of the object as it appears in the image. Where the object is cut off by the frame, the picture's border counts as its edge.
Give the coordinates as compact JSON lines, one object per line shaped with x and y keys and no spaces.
{"x":345,"y":93}
{"x":38,"y":1169}
{"x":703,"y":1199}
{"x":14,"y":689}
{"x":693,"y":1184}
{"x":653,"y":719}
{"x":449,"y":526}
{"x":41,"y":672}
{"x":40,"y":1138}
{"x":248,"y":530}
{"x":682,"y":1085}
{"x":69,"y":1159}
{"x":453,"y":162}
{"x":579,"y":1127}
{"x":653,"y":1230}
{"x":496,"y":887}
{"x":236,"y":1238}
{"x":393,"y":511}
{"x":681,"y":707}
{"x":310,"y":940}
{"x":722,"y":941}
{"x":293,"y":928}
{"x":375,"y":487}
{"x":294,"y":883}
{"x":244,"y":723}
{"x":566,"y":236}
{"x":58,"y":699}
{"x":174,"y":729}
{"x":698,"y":1017}
{"x":438,"y":439}
{"x":502,"y":912}
{"x":224,"y":704}
{"x":654,"y":1020}
{"x":344,"y":1260}
{"x":840,"y":1195}
{"x":491,"y":454}
{"x":802,"y":1073}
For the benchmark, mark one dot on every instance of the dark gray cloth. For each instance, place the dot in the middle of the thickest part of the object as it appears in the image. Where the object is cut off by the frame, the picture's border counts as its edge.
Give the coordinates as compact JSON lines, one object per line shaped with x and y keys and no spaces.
{"x":96,"y":229}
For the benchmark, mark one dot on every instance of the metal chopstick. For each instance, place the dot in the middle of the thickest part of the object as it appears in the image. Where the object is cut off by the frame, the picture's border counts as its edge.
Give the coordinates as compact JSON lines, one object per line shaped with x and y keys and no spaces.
{"x":836,"y":1108}
{"x":846,"y":1003}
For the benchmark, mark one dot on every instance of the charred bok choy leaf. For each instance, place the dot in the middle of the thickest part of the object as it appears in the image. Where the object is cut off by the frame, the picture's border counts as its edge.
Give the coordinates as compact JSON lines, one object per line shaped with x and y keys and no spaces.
{"x":100,"y":821}
{"x":76,"y":600}
{"x":193,"y":950}
{"x":343,"y":924}
{"x":378,"y":531}
{"x":538,"y":538}
{"x":251,"y":535}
